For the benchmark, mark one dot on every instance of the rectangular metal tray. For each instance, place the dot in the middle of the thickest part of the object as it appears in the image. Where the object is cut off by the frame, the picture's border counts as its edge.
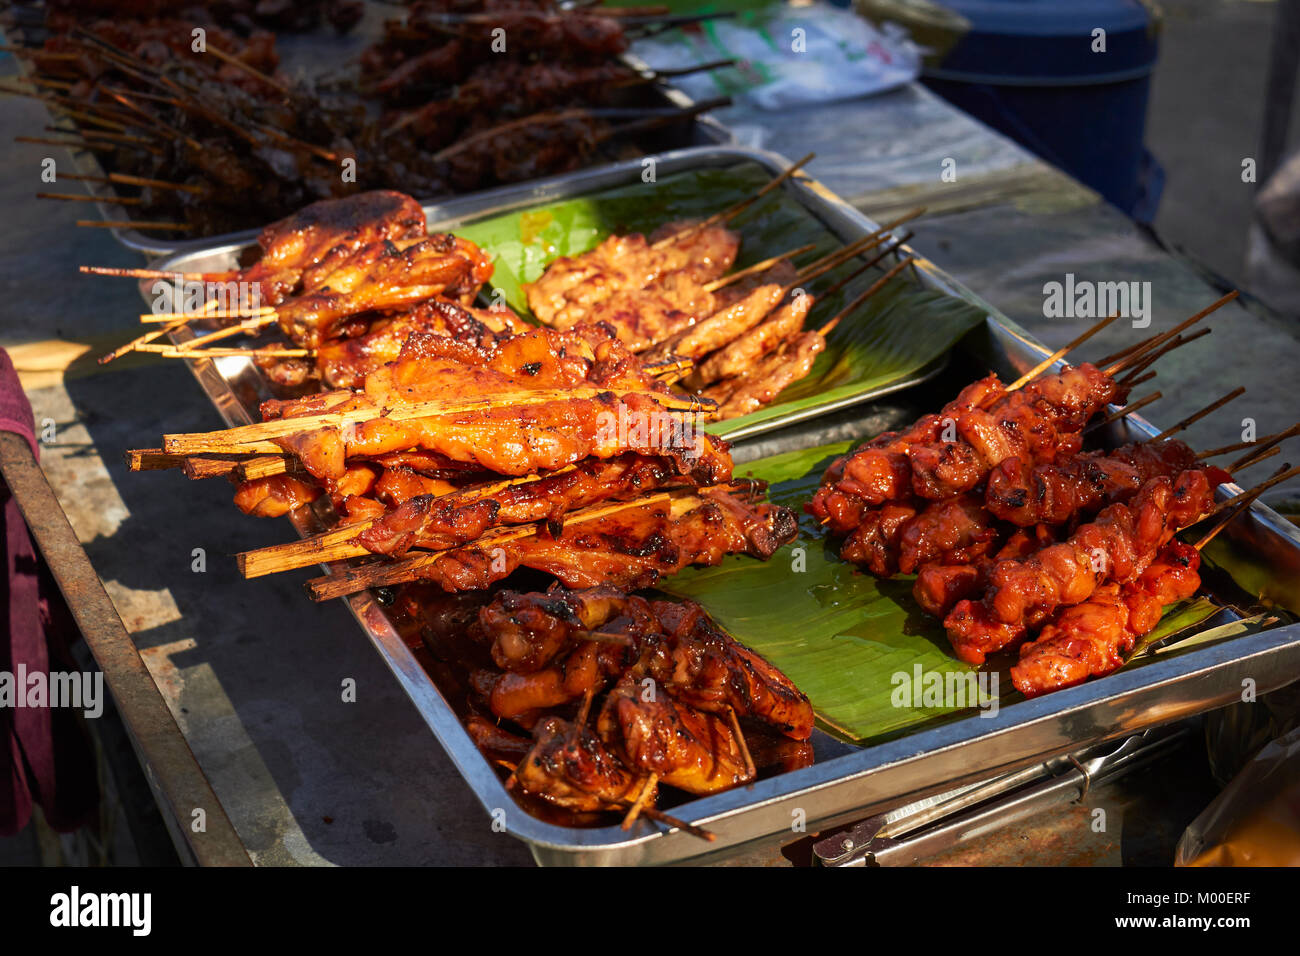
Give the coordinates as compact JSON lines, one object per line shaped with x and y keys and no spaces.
{"x":846,"y":783}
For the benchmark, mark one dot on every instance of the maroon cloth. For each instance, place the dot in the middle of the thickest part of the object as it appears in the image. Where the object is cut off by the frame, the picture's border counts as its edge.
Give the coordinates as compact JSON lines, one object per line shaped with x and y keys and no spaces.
{"x":45,"y":754}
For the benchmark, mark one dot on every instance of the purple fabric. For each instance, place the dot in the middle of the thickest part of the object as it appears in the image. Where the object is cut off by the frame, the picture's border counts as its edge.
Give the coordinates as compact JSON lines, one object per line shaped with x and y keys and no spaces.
{"x":45,"y":754}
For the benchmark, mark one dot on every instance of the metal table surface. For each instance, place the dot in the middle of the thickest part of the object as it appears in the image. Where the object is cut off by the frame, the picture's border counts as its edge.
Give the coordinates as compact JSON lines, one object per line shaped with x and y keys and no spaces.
{"x":253,"y":671}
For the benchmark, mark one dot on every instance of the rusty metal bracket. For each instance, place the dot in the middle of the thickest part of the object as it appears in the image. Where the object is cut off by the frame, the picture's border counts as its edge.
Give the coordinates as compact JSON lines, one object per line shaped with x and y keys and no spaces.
{"x":174,"y":775}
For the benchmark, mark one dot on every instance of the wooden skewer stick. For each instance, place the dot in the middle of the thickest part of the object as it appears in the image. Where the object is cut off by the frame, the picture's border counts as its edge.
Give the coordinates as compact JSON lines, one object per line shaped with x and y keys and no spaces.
{"x":1157,"y":354}
{"x":1159,"y":340}
{"x":133,"y":224}
{"x":1264,"y":441}
{"x":1240,"y":504}
{"x":837,"y":258}
{"x":1122,"y":353}
{"x":261,"y":312}
{"x":855,"y":248}
{"x":155,"y":459}
{"x":1269,"y":441}
{"x":642,"y":798}
{"x":73,"y":197}
{"x":750,"y":770}
{"x":1141,"y":379}
{"x":383,"y":573}
{"x":756,"y":268}
{"x":735,"y":210}
{"x":872,"y":290}
{"x":200,"y":442}
{"x":244,"y":327}
{"x":1259,"y":489}
{"x":144,"y":273}
{"x":1052,"y":359}
{"x":1197,"y":416}
{"x":1126,"y":410}
{"x":175,"y":351}
{"x":883,"y":254}
{"x":70,"y":144}
{"x":680,"y":824}
{"x":143,"y":340}
{"x":1250,"y":461}
{"x":340,"y":543}
{"x":248,"y":68}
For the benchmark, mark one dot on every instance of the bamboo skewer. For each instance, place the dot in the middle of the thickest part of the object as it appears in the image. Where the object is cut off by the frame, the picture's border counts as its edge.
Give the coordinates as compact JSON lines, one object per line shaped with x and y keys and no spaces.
{"x":883,"y":254}
{"x":247,"y":325}
{"x":1125,"y":411}
{"x":871,"y":290}
{"x":756,"y":268}
{"x":1159,"y":340}
{"x":383,"y":573}
{"x":1240,"y":504}
{"x":1254,"y":444}
{"x":127,"y":273}
{"x":642,"y":799}
{"x":143,"y":340}
{"x":1255,"y":492}
{"x":750,"y":770}
{"x":1268,"y":441}
{"x":1155,"y":355}
{"x":1250,"y":461}
{"x":73,"y":197}
{"x":735,"y":210}
{"x":252,"y":435}
{"x":133,"y":224}
{"x":251,"y":70}
{"x":1197,"y":416}
{"x":1052,"y":359}
{"x":177,"y":351}
{"x":340,"y":543}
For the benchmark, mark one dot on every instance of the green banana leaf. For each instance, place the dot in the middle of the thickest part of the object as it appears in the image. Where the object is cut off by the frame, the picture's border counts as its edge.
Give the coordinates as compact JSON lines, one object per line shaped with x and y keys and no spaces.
{"x":895,"y":334}
{"x":851,"y":642}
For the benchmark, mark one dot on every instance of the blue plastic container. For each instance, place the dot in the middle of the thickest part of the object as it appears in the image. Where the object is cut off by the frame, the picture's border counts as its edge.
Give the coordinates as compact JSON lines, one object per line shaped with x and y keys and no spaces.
{"x":1030,"y":69}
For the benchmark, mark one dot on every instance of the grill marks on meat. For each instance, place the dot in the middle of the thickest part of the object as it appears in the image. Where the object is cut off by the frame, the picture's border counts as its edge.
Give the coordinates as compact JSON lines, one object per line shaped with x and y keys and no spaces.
{"x":1054,"y":492}
{"x":879,"y":471}
{"x":631,"y":549}
{"x":761,"y":385}
{"x":680,"y":729}
{"x":1034,"y":423}
{"x":438,"y":523}
{"x":320,"y":237}
{"x":565,"y":294}
{"x":345,"y":363}
{"x":440,"y":265}
{"x":508,"y":440}
{"x":1116,"y":547}
{"x":1094,"y":638}
{"x":570,"y":767}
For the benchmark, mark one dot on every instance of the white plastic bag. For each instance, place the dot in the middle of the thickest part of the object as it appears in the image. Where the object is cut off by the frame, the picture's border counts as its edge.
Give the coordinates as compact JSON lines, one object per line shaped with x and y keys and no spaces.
{"x":788,"y":56}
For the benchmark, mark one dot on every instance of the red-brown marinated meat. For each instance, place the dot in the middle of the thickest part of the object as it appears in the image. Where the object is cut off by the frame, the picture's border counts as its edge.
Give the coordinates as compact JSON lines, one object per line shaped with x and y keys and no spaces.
{"x":1095,"y":637}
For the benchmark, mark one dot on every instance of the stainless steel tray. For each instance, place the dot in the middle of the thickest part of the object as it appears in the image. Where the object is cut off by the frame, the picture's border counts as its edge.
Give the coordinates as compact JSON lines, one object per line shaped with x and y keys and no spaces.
{"x":846,"y":783}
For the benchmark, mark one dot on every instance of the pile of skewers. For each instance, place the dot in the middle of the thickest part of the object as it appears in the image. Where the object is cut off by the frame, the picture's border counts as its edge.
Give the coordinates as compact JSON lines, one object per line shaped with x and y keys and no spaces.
{"x":507,"y":92}
{"x":459,"y":464}
{"x":592,"y":700}
{"x":189,"y":138}
{"x":348,"y":281}
{"x":671,"y":297}
{"x":1012,"y":529}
